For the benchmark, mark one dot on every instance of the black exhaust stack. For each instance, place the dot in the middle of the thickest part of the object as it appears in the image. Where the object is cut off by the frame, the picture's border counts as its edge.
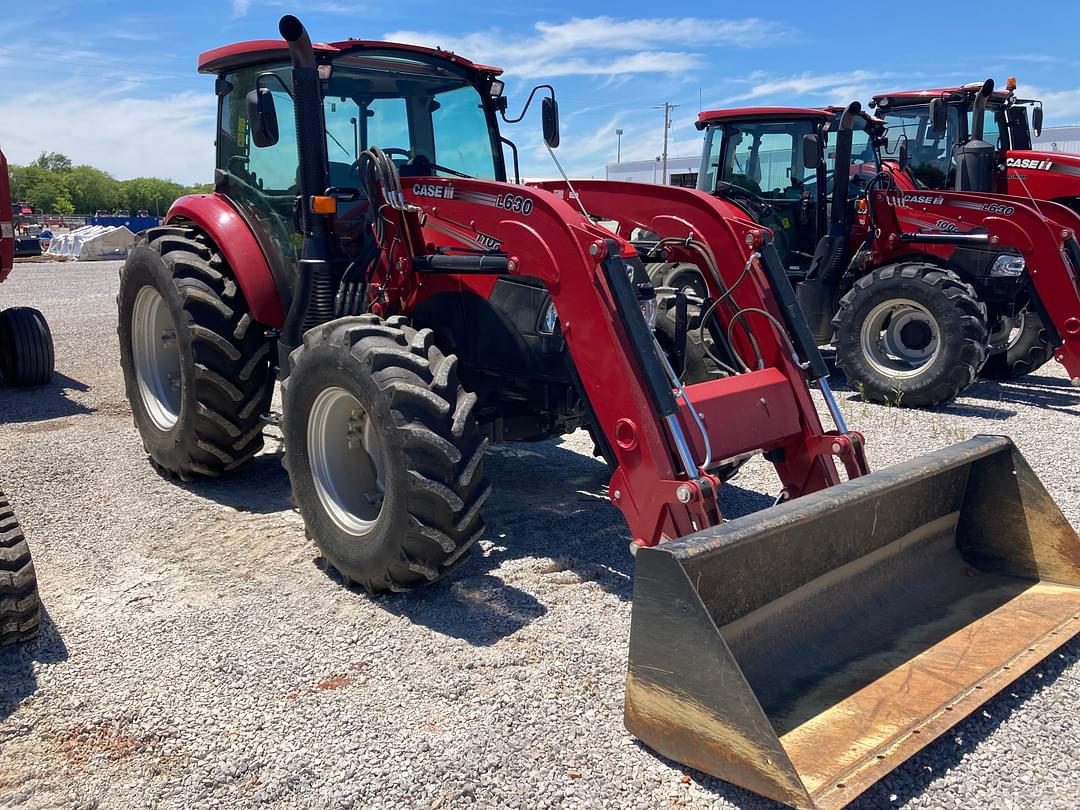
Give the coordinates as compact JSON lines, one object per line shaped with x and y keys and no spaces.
{"x":316,"y":279}
{"x":975,"y":158}
{"x":817,"y":294}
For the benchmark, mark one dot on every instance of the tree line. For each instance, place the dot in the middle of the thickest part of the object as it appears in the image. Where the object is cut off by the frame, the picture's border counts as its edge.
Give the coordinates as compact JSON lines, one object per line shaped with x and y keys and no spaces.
{"x":53,"y":185}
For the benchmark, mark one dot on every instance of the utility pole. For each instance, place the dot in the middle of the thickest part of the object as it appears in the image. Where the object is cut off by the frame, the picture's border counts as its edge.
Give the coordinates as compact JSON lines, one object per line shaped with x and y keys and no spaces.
{"x":667,"y":108}
{"x":618,"y":149}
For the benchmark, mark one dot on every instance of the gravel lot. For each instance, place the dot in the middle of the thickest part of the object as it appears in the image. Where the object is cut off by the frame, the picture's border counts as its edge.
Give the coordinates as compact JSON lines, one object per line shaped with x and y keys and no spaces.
{"x":194,"y":654}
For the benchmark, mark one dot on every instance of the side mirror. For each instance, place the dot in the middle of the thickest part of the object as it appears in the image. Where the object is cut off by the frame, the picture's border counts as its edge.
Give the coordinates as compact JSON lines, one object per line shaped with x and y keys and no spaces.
{"x":262,"y":117}
{"x":1037,"y":121}
{"x":811,"y":150}
{"x":902,"y":157}
{"x":549,"y":115}
{"x":938,"y":116}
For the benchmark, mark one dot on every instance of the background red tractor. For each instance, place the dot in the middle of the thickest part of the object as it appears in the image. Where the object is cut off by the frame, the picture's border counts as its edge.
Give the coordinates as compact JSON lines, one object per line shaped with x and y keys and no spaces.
{"x":919,"y":292}
{"x":416,"y":306}
{"x":25,"y":357}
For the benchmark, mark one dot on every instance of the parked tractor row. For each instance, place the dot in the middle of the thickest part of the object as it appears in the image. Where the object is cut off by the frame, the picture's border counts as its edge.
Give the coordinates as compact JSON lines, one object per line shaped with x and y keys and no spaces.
{"x":918,"y":292}
{"x":416,"y":305}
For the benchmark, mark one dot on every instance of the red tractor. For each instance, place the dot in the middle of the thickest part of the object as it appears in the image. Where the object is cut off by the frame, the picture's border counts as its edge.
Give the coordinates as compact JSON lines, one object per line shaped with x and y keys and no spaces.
{"x":915,"y":290}
{"x":937,"y":125}
{"x":415,"y":306}
{"x":24,"y":357}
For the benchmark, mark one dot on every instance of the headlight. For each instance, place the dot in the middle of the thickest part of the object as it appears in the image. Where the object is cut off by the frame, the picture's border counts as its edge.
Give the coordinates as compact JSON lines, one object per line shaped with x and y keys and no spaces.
{"x":1008,"y":266}
{"x":551,"y":318}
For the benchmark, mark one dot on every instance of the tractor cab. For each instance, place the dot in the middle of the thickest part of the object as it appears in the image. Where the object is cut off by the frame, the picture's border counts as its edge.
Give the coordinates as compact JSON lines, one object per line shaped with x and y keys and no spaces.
{"x":431,"y":112}
{"x":935,"y":123}
{"x":757,"y":159}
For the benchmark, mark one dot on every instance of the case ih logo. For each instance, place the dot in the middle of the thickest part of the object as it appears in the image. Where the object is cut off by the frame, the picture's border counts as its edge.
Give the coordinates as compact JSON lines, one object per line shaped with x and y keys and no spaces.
{"x":915,"y":199}
{"x":1029,"y":163}
{"x":438,"y":192}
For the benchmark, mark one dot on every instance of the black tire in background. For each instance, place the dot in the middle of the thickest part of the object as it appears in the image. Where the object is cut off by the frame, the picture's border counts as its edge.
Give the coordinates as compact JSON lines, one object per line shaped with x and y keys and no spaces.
{"x":225,"y":377}
{"x":20,"y":607}
{"x":1024,"y":353}
{"x":26,"y":347}
{"x":411,"y":437}
{"x":962,"y":335}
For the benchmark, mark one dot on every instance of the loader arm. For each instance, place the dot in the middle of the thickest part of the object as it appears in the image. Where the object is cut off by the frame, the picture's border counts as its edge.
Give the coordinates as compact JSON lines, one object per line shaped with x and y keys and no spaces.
{"x":584,"y":269}
{"x":690,"y":224}
{"x":1045,"y":234}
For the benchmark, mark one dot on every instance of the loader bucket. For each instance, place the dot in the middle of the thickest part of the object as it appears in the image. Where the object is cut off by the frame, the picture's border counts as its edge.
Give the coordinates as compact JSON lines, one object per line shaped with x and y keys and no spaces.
{"x":804,"y":651}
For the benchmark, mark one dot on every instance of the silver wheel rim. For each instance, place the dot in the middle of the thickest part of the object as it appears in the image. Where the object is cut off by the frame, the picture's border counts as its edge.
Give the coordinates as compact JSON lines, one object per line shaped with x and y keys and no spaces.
{"x":346,"y":461}
{"x":1007,"y":334}
{"x":157,"y":358}
{"x":900,"y":338}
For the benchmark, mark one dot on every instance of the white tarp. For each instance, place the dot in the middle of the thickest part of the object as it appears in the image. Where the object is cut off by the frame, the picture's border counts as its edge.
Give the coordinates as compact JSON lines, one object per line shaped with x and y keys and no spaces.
{"x":93,"y":242}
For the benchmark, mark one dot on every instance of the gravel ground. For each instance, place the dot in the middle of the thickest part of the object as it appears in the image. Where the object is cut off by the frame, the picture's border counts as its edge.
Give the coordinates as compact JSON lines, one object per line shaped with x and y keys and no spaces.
{"x":194,"y":654}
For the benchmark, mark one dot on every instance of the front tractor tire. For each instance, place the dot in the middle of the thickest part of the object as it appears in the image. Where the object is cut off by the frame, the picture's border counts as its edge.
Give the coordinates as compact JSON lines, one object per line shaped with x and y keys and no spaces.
{"x":196,"y":365}
{"x":26,"y":347}
{"x":383,"y":452}
{"x":1018,"y":346}
{"x":911,"y":335}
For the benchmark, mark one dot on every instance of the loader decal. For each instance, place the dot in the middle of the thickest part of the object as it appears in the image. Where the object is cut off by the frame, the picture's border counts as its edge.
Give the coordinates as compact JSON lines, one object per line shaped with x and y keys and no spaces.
{"x":990,"y":208}
{"x":908,"y":200}
{"x":433,"y":191}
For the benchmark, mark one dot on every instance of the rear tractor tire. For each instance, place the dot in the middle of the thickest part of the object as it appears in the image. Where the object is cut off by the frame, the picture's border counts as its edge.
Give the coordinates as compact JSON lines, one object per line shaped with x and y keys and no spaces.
{"x":911,"y":335}
{"x":383,"y":452}
{"x":1019,"y":346}
{"x":20,"y":607}
{"x":26,"y":347}
{"x":196,"y":365}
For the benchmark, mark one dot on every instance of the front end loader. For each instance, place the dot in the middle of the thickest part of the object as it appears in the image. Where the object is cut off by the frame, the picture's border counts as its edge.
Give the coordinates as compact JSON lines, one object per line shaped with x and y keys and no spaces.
{"x":918,"y":292}
{"x":416,"y":305}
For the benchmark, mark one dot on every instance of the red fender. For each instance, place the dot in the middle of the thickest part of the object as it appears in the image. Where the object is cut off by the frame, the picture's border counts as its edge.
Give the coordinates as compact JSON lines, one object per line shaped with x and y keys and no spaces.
{"x":216,"y":216}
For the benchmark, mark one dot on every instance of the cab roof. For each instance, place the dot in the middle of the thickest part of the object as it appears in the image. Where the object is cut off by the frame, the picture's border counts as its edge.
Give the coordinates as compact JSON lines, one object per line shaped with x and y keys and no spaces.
{"x":736,"y":113}
{"x":262,"y":51}
{"x":924,"y":96}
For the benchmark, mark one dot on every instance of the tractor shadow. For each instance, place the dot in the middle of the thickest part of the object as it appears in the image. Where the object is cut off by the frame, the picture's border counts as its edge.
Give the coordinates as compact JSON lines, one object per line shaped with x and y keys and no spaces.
{"x":549,"y":505}
{"x":17,"y":679}
{"x":259,"y":488}
{"x":915,"y":775}
{"x":40,"y":403}
{"x":1036,"y":390}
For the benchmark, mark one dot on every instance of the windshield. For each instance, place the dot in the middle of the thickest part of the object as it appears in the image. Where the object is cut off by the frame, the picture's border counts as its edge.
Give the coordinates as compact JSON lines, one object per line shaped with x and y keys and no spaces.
{"x":430,"y":121}
{"x":930,"y":154}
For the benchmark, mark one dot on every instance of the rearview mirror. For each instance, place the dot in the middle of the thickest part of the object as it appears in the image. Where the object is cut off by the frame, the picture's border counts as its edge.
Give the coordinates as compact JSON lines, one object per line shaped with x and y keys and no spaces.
{"x":811,"y":151}
{"x":902,"y":156}
{"x":938,"y":116}
{"x":262,"y":117}
{"x":1037,"y":121}
{"x":549,"y":115}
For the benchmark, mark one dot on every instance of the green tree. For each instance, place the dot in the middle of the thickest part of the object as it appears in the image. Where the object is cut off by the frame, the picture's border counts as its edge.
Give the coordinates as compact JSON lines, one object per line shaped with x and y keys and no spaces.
{"x":53,"y":162}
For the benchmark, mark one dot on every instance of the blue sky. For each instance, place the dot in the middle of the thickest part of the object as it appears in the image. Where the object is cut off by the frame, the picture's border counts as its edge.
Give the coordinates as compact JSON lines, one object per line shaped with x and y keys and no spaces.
{"x":114,"y":84}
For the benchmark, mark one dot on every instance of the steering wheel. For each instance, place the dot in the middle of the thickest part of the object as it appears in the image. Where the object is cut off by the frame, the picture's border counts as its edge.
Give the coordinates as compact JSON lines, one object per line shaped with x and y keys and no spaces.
{"x":733,"y":190}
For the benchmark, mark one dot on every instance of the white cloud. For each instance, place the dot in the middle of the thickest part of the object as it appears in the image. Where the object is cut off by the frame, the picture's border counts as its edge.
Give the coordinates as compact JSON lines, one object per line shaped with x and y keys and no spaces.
{"x":830,"y":88}
{"x":240,"y":7}
{"x":1061,"y":107}
{"x":571,"y":48}
{"x":127,"y":137}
